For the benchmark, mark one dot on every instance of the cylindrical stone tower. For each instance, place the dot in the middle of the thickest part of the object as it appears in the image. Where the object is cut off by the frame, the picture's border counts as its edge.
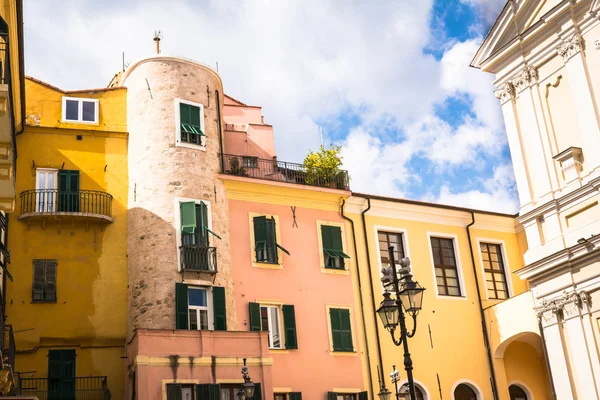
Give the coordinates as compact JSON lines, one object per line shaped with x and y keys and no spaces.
{"x":170,"y":163}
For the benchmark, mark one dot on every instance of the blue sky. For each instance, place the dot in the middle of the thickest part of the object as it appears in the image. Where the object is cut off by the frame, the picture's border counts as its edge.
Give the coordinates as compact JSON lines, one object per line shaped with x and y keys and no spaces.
{"x":389,"y":80}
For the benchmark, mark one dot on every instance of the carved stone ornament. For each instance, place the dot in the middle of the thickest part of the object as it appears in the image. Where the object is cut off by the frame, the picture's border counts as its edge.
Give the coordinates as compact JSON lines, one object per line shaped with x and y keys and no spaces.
{"x":525,"y":78}
{"x":597,"y":44}
{"x":569,"y":47}
{"x":505,"y":93}
{"x":566,"y":306}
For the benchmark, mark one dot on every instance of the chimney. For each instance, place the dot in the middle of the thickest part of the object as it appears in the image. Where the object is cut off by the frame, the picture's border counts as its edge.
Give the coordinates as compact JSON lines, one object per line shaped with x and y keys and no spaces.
{"x":157,"y":37}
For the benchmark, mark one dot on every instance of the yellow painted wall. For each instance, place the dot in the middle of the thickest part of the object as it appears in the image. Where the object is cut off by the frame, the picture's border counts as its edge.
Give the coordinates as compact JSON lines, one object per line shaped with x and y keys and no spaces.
{"x":455,"y":349}
{"x":90,"y":312}
{"x":8,"y":11}
{"x":524,"y":364}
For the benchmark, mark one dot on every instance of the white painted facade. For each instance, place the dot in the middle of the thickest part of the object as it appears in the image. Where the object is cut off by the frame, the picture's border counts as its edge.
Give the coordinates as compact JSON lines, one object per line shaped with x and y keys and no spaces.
{"x":545,"y":55}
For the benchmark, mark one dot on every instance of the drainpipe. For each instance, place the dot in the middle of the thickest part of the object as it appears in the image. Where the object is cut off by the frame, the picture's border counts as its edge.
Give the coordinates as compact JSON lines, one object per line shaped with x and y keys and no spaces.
{"x":364,"y":224}
{"x":541,"y":328}
{"x":481,"y":312}
{"x":218,"y":100}
{"x":362,"y":305}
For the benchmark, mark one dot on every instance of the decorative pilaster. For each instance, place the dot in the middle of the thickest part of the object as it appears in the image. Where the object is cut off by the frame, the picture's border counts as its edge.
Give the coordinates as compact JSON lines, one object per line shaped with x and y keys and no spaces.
{"x":525,"y":79}
{"x":569,"y":47}
{"x":505,"y":93}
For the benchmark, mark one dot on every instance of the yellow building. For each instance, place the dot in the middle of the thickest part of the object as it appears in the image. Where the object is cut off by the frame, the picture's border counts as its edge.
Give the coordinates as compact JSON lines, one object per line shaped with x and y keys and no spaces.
{"x":68,"y":301}
{"x":465,"y":259}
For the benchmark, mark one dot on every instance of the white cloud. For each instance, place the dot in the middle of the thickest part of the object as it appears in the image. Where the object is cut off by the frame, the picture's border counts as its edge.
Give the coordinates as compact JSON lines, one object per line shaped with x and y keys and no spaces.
{"x":488,"y":9}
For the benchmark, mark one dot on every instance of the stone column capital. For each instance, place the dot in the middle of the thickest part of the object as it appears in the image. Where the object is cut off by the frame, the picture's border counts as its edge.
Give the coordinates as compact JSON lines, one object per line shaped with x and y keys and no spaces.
{"x":526,"y":78}
{"x":505,"y":93}
{"x":569,"y":47}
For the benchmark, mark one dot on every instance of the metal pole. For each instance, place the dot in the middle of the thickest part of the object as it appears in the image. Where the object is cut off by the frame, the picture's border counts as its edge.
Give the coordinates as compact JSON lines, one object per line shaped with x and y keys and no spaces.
{"x":395,"y":382}
{"x":408,"y":365}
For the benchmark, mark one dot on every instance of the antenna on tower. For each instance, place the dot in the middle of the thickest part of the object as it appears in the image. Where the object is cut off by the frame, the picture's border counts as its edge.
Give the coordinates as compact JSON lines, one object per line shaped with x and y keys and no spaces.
{"x":157,"y":38}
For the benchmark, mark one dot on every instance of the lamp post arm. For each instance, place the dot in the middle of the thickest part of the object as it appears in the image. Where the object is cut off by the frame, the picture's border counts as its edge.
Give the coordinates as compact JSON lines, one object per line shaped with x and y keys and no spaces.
{"x":396,"y":342}
{"x":414,"y":329}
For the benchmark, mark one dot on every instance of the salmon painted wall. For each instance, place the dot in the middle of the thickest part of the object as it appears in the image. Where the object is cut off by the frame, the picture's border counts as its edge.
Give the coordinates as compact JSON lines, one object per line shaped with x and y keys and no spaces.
{"x":245,"y":131}
{"x":312,"y":368}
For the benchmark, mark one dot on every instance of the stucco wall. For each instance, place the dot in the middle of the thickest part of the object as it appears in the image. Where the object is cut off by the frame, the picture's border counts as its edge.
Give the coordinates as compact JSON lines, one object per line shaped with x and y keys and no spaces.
{"x":159,"y":172}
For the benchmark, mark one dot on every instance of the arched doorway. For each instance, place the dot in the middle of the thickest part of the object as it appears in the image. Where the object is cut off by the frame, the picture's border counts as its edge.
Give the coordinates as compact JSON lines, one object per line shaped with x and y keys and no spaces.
{"x":464,"y":392}
{"x":403,"y":393}
{"x":517,"y":393}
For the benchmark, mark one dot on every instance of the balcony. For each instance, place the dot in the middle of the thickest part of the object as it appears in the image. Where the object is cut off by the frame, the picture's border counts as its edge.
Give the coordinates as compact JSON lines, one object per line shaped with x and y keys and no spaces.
{"x":88,"y":205}
{"x":79,"y":388}
{"x":198,"y":258}
{"x":280,"y":171}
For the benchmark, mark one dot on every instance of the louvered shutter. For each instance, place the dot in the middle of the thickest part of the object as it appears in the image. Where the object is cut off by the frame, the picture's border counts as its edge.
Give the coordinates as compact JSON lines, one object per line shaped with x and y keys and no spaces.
{"x":181,"y":306}
{"x":219,"y":308}
{"x":254,"y":309}
{"x":289,"y":323}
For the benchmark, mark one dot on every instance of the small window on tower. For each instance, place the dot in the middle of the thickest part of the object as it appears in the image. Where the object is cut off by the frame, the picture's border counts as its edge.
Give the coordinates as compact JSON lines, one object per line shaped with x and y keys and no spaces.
{"x":80,"y":110}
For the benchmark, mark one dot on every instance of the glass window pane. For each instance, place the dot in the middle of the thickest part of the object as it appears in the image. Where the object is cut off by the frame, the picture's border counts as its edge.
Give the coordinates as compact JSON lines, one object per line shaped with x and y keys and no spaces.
{"x":193,"y":319}
{"x":225,"y":394}
{"x":72,"y":110}
{"x":203,"y":319}
{"x":197,"y":297}
{"x":452,"y":281}
{"x":439,"y":280}
{"x":453,"y":291}
{"x":442,"y":290}
{"x":89,"y":111}
{"x":274,"y":315}
{"x":264,"y":319}
{"x":451,"y":273}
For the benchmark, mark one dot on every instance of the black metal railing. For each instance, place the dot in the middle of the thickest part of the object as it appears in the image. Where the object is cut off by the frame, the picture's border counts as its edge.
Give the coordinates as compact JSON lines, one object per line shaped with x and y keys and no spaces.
{"x":198,"y":258}
{"x":283,"y":171}
{"x":79,"y":388}
{"x":53,"y":200}
{"x":9,"y":348}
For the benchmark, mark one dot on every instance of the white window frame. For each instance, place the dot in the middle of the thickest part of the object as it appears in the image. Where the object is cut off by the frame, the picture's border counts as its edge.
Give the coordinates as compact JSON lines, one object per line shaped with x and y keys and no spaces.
{"x":80,"y":101}
{"x":507,"y":272}
{"x":178,"y":141}
{"x":38,"y":197}
{"x":208,"y":308}
{"x":270,"y":324}
{"x":459,"y":271}
{"x":177,"y":214}
{"x":391,"y":229}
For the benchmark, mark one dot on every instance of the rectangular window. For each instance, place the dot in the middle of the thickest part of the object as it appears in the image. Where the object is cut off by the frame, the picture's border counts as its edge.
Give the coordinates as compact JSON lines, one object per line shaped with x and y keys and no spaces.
{"x":195,"y":251}
{"x":180,"y":392}
{"x":61,"y":374}
{"x":266,"y":318}
{"x":250,"y":162}
{"x":333,"y":251}
{"x":341,"y":330}
{"x":387,"y":239}
{"x":44,"y":280}
{"x":495,"y":274}
{"x":446,"y":270}
{"x":191,"y":123}
{"x":200,"y":308}
{"x":280,"y":396}
{"x":45,"y":189}
{"x":269,"y":322}
{"x":80,"y":110}
{"x":265,"y":240}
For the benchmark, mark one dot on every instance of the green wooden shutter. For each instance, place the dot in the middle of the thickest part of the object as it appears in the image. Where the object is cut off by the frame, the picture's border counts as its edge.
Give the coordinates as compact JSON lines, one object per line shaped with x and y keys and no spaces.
{"x":219,"y":308}
{"x":363,"y":396}
{"x":295,"y":396}
{"x":174,"y":392}
{"x":326,"y":236}
{"x":254,"y":316}
{"x":188,"y":217}
{"x":257,"y":392}
{"x":336,"y":329}
{"x":275,"y":239}
{"x":271,"y":241}
{"x":346,"y":330}
{"x":54,"y":364}
{"x":181,"y":306}
{"x":331,"y":396}
{"x":202,"y":220}
{"x":208,"y":391}
{"x":68,"y":191}
{"x":336,"y":241}
{"x":260,"y":237}
{"x":184,"y":113}
{"x":289,"y":323}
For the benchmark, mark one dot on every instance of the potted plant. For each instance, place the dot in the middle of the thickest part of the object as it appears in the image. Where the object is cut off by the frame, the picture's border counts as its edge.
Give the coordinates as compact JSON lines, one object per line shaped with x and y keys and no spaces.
{"x":235,"y":168}
{"x":323,"y":167}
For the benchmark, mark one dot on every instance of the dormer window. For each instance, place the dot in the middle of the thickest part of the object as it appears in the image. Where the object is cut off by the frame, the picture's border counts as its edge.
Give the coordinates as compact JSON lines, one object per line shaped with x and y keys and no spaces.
{"x":78,"y":110}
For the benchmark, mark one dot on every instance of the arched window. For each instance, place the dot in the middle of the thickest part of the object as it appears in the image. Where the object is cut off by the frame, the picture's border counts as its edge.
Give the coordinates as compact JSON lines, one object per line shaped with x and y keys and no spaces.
{"x":403,"y":393}
{"x":464,"y":392}
{"x":517,"y":393}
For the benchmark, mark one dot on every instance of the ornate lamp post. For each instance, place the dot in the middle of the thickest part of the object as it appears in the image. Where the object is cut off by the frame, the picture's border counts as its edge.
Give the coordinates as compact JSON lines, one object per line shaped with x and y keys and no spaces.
{"x":247,"y":389}
{"x":384,"y":393}
{"x":409,"y":298}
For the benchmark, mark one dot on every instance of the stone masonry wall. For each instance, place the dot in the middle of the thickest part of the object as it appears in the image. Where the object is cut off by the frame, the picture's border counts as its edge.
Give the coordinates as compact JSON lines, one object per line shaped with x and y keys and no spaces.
{"x":160,"y":171}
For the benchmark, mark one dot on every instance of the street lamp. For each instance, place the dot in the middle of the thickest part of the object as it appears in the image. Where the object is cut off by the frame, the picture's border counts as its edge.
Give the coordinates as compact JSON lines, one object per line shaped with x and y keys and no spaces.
{"x":384,"y":393}
{"x":409,"y":299}
{"x":247,"y":389}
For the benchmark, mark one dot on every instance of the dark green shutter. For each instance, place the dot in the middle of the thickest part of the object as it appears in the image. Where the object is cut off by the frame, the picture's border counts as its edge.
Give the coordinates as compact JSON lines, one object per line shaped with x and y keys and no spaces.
{"x":363,"y":396}
{"x":275,"y":239}
{"x":289,"y":323}
{"x":271,"y":241}
{"x":68,"y":191}
{"x":184,"y":113}
{"x":208,"y":391}
{"x":254,"y":316}
{"x":346,"y":330}
{"x":260,"y":236}
{"x":202,"y":219}
{"x":54,"y":363}
{"x":326,"y":236}
{"x":188,"y":217}
{"x":219,"y":308}
{"x":257,"y":392}
{"x":61,"y":374}
{"x":181,"y":306}
{"x":331,"y":396}
{"x":174,"y":392}
{"x":336,"y":241}
{"x":295,"y":396}
{"x":336,"y":329}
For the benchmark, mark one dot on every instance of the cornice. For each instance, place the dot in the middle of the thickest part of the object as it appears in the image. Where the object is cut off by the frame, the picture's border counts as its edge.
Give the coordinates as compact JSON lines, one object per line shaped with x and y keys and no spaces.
{"x":46,"y":130}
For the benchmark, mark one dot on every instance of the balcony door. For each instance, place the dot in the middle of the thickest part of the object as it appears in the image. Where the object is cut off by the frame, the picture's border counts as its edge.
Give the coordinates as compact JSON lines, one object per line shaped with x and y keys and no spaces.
{"x":61,"y":374}
{"x":68,"y":191}
{"x":45,"y":190}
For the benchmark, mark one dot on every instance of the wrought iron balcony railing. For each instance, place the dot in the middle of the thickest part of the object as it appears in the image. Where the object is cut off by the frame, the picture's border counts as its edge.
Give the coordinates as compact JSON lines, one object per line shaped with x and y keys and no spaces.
{"x":60,"y":202}
{"x":79,"y":388}
{"x":282,"y":171}
{"x":198,"y":258}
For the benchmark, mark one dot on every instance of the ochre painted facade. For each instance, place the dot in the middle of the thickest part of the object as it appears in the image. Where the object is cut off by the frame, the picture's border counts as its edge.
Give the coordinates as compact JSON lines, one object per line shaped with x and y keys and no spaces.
{"x":89,"y":313}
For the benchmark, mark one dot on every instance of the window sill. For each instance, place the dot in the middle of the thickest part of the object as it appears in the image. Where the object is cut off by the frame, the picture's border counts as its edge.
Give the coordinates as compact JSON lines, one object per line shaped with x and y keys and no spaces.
{"x":279,"y":351}
{"x":265,"y":265}
{"x":44,"y":302}
{"x":343,"y":353}
{"x":335,"y":271}
{"x":447,"y":297}
{"x":191,"y":146}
